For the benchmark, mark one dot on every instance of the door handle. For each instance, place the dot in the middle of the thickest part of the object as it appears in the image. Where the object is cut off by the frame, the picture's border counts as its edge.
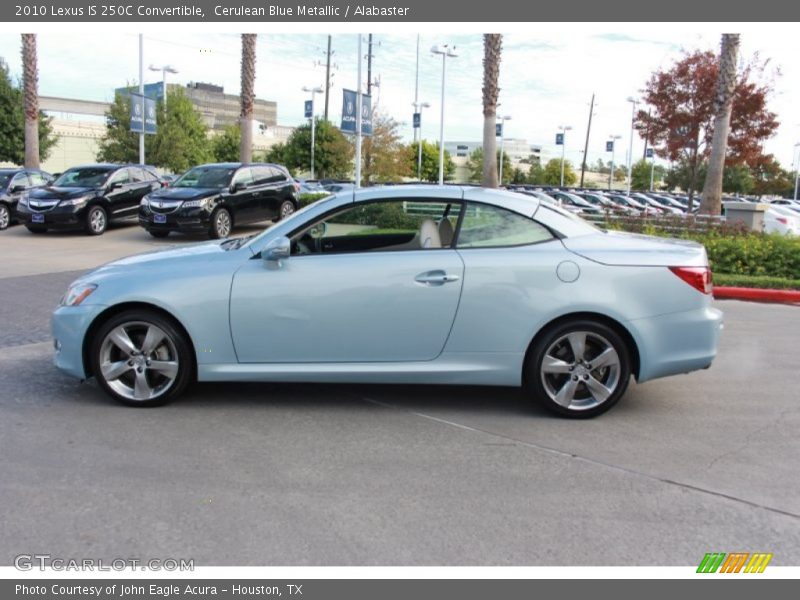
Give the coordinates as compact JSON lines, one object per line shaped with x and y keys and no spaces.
{"x":435,"y":278}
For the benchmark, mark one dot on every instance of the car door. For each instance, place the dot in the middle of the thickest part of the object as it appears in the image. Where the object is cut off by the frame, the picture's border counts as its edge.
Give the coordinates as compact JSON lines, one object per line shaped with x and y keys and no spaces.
{"x":243,"y":199}
{"x":378,"y":285}
{"x":118,"y":193}
{"x":266,"y":187}
{"x":19,"y":184}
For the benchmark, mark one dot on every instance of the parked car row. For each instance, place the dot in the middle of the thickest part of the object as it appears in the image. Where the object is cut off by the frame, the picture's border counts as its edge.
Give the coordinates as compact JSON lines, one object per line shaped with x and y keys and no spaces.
{"x":210,"y":199}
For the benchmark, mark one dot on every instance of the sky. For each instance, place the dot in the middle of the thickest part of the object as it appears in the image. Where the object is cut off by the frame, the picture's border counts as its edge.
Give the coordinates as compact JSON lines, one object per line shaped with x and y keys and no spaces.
{"x":547,"y":76}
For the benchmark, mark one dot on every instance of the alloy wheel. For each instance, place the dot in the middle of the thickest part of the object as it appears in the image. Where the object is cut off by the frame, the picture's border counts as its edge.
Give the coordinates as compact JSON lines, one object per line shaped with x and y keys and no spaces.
{"x":223,"y":223}
{"x":5,"y":216}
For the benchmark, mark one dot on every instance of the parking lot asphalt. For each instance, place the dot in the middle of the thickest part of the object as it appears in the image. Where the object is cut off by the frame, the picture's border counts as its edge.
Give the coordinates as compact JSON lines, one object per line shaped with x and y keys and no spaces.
{"x":253,"y":474}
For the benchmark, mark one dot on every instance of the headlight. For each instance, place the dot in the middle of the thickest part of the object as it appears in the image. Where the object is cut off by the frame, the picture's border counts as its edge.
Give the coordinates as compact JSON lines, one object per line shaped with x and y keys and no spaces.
{"x":145,"y":201}
{"x":75,"y":201}
{"x":77,"y":293}
{"x":194,"y":203}
{"x":23,"y":200}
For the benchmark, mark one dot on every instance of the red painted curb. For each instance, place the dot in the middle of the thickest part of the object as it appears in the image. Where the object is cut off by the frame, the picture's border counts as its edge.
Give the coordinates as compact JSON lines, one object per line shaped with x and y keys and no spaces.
{"x":757,"y":295}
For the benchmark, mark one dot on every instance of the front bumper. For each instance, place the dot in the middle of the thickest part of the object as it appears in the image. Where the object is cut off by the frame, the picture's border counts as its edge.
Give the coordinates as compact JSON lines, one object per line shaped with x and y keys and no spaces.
{"x":60,"y":217}
{"x":189,"y":220}
{"x":677,"y":343}
{"x":69,"y":325}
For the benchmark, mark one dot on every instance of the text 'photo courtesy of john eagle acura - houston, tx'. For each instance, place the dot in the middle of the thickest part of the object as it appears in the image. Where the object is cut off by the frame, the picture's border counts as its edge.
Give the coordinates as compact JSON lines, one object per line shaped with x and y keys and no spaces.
{"x":406,"y":284}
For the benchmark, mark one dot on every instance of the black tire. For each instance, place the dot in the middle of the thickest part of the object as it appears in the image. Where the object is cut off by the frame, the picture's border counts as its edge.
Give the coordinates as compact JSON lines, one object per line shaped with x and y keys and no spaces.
{"x":286,"y":209}
{"x":158,"y":234}
{"x":36,"y":229}
{"x":96,"y":220}
{"x":5,"y":216}
{"x":123,"y":388}
{"x":572,"y":386}
{"x":221,"y":224}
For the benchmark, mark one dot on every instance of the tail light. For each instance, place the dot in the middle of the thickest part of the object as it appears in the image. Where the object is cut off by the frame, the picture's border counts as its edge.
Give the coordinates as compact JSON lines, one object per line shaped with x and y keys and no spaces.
{"x":782,"y":220}
{"x":697,"y":277}
{"x":296,"y":187}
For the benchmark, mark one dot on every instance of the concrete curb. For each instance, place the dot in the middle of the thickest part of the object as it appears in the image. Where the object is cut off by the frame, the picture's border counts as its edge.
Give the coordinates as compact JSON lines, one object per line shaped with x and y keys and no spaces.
{"x":757,"y":295}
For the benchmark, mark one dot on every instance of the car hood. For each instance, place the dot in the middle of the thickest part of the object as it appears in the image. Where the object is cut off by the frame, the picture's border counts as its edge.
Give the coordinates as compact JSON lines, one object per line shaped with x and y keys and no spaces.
{"x":61,"y":193}
{"x":631,"y":249}
{"x":184,"y":258}
{"x":187,"y":193}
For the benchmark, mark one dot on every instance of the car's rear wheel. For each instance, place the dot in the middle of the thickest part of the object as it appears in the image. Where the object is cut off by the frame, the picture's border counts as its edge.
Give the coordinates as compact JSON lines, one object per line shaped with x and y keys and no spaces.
{"x":96,"y":220}
{"x":5,"y":216}
{"x":158,"y":234}
{"x":141,"y":358}
{"x":35,"y":229}
{"x":221,"y":224}
{"x":578,"y":369}
{"x":286,"y":209}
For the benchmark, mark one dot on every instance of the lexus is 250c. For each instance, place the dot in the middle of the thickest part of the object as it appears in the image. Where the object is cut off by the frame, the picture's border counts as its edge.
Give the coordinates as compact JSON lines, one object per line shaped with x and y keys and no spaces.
{"x":402,"y":284}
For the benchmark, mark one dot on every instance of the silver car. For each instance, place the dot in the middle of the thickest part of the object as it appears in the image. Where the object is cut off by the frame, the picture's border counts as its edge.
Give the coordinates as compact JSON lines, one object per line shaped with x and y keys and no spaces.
{"x":406,"y":284}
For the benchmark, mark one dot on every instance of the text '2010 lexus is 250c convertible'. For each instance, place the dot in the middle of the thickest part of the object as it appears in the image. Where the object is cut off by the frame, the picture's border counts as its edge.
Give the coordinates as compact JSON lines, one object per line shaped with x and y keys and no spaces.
{"x":400,"y":284}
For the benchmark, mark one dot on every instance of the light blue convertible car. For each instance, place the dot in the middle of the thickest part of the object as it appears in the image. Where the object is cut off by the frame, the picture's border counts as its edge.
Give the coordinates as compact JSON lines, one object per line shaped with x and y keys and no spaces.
{"x":405,"y":284}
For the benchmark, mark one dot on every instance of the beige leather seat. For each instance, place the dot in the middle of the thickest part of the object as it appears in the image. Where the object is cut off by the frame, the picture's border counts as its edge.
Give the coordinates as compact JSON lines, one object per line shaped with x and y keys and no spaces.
{"x":446,"y":232}
{"x":429,"y":235}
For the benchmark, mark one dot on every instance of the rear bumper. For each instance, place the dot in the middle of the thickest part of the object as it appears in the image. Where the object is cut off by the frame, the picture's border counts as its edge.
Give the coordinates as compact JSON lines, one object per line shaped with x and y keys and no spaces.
{"x":678,"y":342}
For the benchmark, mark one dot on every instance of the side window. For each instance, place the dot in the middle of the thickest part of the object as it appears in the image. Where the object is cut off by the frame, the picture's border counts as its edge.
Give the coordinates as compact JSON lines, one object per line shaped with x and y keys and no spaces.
{"x":244,"y":176}
{"x":122,"y":176}
{"x":277,"y":175}
{"x":261,"y":175}
{"x":20,"y":179}
{"x":137,"y":175}
{"x":490,"y":226}
{"x":381,"y":226}
{"x":37,"y":178}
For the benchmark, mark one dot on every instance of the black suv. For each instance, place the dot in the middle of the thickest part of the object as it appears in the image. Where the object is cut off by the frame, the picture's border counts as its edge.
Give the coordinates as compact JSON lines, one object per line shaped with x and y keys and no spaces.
{"x":87,"y":197}
{"x":13,"y":184}
{"x":214,"y":198}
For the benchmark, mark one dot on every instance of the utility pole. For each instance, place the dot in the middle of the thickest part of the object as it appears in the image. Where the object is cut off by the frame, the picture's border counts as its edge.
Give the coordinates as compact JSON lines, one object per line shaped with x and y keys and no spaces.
{"x":369,"y":64}
{"x":141,"y":93}
{"x":586,"y":144}
{"x":327,"y":76}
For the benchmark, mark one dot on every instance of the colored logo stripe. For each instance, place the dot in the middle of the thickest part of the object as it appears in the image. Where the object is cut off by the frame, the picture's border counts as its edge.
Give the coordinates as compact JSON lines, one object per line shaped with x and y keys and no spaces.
{"x":734,"y":562}
{"x":758,"y":563}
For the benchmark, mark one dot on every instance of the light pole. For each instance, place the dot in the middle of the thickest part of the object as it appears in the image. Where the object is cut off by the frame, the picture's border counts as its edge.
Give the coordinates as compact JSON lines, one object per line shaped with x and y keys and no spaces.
{"x":633,"y":102}
{"x":141,"y":93}
{"x":796,"y":172}
{"x":164,"y":70}
{"x":313,"y":91}
{"x":358,"y":118}
{"x":447,"y":52}
{"x":652,"y":170}
{"x":419,"y":107}
{"x":564,"y":129}
{"x":613,"y":139}
{"x":503,"y":120}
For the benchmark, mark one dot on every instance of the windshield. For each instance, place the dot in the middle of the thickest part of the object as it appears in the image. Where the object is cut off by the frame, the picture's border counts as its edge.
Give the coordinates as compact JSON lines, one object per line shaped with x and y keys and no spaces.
{"x":83,"y":177}
{"x":206,"y":177}
{"x":5,"y":178}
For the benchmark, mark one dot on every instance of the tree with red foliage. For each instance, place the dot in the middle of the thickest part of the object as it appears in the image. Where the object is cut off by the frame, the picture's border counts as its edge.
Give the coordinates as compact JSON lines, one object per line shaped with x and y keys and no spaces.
{"x":680,"y":109}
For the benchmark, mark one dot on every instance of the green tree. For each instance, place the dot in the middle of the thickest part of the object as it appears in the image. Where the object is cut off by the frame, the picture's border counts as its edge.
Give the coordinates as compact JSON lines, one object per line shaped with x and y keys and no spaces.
{"x":737,"y":179}
{"x":181,"y":140}
{"x":430,"y":162}
{"x":551,"y":174}
{"x":476,"y":168}
{"x":518,"y":176}
{"x":640,"y":175}
{"x":12,"y":123}
{"x":119,"y":144}
{"x":225,"y":145}
{"x":333,"y":153}
{"x":536,"y":173}
{"x":385,"y":156}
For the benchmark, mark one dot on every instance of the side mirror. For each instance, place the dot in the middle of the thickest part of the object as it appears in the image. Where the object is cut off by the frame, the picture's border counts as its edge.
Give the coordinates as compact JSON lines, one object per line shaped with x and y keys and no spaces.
{"x":238,"y":187}
{"x":17,"y":188}
{"x":114,"y":186}
{"x":277,"y":250}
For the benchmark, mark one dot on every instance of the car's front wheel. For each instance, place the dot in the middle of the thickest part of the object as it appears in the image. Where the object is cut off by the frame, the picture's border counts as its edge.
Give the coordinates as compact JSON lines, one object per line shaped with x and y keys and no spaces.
{"x":286,"y":209}
{"x":141,"y":358}
{"x":221,"y":224}
{"x":578,"y":369}
{"x":96,"y":220}
{"x":5,"y":216}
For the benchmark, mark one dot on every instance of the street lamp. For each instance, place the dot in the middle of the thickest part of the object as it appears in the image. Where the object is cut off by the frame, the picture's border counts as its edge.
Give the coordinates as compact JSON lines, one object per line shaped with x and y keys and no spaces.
{"x":633,"y":102}
{"x":313,"y":91}
{"x":796,"y":172}
{"x":418,"y":106}
{"x":613,"y":139}
{"x":503,"y":120}
{"x":563,"y":129}
{"x":164,"y":70}
{"x":447,"y":52}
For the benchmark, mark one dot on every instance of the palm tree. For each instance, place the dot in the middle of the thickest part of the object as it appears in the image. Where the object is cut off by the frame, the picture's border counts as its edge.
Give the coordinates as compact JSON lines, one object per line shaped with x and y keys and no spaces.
{"x":30,"y":76}
{"x":248,"y":96}
{"x":726,"y":86}
{"x":492,"y":46}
